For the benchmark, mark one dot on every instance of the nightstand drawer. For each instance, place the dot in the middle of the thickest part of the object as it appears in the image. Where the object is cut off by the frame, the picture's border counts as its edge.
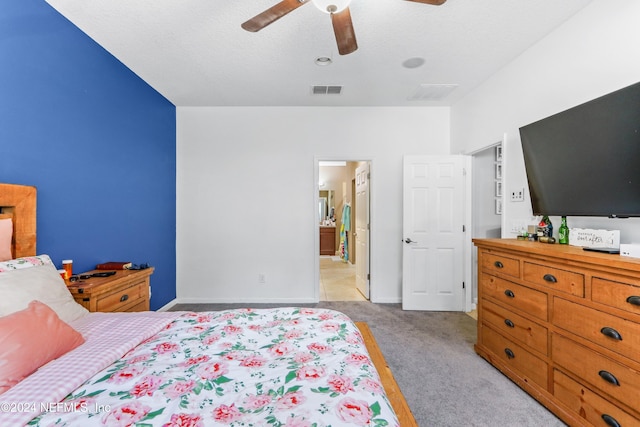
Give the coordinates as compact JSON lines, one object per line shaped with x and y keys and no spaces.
{"x":561,"y":280}
{"x":511,"y":294}
{"x":613,"y":378}
{"x":515,"y":326}
{"x":126,"y":290}
{"x":123,"y":299}
{"x":611,"y":332}
{"x":588,"y":404}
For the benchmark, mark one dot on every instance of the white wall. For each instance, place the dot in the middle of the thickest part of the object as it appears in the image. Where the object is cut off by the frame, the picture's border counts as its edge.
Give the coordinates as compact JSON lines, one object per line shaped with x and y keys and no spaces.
{"x":246,"y":194}
{"x":592,"y":54}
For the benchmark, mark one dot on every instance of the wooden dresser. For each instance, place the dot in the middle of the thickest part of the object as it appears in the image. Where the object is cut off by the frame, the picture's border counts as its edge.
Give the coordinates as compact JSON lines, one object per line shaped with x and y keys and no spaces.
{"x":127,"y":290}
{"x":563,"y":324}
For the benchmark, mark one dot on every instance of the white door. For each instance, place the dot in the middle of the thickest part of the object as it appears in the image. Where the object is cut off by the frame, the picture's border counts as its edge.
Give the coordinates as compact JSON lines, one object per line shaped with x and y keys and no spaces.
{"x":433,"y":233}
{"x":362,"y":229}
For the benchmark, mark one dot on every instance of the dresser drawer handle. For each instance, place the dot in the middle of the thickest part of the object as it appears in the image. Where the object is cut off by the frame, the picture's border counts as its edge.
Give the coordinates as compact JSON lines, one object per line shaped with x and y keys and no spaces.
{"x":610,"y":421}
{"x":634,"y":300}
{"x":509,"y":323}
{"x":124,"y":297}
{"x":550,"y":278}
{"x":609,"y":377}
{"x":498,"y":264}
{"x":611,"y":333}
{"x":509,"y":293}
{"x":509,"y":353}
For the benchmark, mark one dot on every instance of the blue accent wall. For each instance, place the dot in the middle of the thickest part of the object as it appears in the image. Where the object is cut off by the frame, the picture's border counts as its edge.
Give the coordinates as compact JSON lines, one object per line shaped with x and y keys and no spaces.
{"x":96,"y":140}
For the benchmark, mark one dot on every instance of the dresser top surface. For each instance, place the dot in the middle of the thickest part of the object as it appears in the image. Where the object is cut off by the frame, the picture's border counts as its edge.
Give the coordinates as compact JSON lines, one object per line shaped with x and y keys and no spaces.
{"x":566,"y":252}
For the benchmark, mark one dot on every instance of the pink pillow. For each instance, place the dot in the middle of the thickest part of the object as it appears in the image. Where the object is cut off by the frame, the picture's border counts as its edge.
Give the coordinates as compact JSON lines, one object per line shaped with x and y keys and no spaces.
{"x":31,"y":338}
{"x":6,"y":232}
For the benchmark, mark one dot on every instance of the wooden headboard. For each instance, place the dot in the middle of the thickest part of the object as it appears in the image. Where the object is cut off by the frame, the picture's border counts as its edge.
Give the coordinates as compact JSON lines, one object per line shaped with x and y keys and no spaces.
{"x":19,"y":202}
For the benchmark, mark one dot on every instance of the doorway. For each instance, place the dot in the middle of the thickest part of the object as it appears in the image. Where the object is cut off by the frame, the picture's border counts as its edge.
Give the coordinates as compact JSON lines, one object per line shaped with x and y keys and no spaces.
{"x":488,"y":201}
{"x":342,"y":264}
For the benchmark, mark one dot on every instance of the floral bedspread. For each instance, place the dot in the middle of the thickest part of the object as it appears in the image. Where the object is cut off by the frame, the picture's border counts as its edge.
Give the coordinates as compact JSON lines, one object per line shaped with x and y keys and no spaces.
{"x":289,"y":367}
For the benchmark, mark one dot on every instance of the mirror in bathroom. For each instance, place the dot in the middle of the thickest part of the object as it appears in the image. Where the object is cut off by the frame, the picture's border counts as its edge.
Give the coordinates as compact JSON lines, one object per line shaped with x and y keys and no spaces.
{"x":326,"y":204}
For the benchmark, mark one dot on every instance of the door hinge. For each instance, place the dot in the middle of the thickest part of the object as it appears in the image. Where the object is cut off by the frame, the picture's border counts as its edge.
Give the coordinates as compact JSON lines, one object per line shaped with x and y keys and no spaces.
{"x":464,"y":228}
{"x":368,"y":227}
{"x":368,"y":175}
{"x":463,"y":285}
{"x":368,"y":276}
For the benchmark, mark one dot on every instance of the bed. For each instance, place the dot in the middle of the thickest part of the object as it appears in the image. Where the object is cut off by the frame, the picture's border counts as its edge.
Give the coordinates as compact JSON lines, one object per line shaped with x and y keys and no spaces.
{"x":245,"y":367}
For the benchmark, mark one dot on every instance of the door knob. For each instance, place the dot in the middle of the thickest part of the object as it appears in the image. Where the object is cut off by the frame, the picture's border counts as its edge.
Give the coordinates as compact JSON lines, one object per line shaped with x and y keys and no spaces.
{"x":408,"y":240}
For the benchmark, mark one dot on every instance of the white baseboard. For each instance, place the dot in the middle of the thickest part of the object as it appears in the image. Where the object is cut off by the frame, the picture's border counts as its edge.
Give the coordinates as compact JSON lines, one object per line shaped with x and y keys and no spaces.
{"x":168,"y":306}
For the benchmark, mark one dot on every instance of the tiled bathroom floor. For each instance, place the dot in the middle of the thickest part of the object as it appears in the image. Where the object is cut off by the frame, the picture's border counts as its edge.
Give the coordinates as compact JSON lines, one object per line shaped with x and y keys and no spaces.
{"x":338,"y":281}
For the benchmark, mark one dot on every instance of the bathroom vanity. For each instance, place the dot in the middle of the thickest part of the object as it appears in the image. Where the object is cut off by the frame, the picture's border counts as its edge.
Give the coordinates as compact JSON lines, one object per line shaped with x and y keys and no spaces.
{"x":327,"y":240}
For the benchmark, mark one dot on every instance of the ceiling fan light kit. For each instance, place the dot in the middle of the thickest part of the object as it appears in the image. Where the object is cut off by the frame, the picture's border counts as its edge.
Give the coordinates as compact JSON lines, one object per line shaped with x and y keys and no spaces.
{"x":340,"y":19}
{"x":331,"y":6}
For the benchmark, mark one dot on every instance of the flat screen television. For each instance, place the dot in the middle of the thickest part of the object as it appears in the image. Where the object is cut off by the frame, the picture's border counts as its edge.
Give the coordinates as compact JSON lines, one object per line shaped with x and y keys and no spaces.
{"x":585,"y":161}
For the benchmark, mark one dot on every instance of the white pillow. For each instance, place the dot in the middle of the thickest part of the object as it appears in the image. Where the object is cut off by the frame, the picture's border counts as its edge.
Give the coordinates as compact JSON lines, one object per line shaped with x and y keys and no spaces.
{"x":43,"y":283}
{"x":26,"y":262}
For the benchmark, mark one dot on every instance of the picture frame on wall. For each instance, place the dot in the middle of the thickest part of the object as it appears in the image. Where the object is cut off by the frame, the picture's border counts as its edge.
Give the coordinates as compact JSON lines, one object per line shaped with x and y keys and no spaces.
{"x":498,"y":188}
{"x":499,"y":153}
{"x":498,"y":206}
{"x":498,"y":171}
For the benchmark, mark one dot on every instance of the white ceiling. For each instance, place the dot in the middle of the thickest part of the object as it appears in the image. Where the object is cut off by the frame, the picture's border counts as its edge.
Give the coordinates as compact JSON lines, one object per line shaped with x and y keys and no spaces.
{"x":195,"y":53}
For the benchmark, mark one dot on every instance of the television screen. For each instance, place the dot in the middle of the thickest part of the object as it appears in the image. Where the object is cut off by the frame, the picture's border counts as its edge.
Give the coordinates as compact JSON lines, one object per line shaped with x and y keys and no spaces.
{"x":585,"y":161}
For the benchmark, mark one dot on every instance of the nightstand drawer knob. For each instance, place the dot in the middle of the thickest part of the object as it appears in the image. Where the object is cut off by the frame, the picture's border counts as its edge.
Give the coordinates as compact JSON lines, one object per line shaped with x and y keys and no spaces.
{"x":498,"y":264}
{"x":510,"y":354}
{"x":634,"y":300}
{"x":609,"y":377}
{"x":124,"y":297}
{"x":611,"y":333}
{"x":509,"y":323}
{"x":509,"y":293}
{"x":550,"y":278}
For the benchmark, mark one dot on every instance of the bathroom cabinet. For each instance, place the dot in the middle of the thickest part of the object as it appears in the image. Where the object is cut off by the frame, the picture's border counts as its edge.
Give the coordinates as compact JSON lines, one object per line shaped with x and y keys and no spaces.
{"x":327,"y":240}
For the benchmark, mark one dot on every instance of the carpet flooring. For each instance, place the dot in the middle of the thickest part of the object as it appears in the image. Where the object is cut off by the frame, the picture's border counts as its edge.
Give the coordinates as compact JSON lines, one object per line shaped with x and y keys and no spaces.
{"x":431,"y":356}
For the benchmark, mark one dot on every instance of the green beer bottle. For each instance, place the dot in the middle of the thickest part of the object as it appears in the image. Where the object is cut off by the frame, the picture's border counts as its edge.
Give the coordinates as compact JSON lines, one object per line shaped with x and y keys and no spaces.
{"x":563,"y":232}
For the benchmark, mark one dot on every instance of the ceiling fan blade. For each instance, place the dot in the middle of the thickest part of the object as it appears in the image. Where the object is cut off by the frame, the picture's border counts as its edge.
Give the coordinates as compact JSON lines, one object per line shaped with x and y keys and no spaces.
{"x":343,"y":28}
{"x":431,"y":2}
{"x":272,"y":14}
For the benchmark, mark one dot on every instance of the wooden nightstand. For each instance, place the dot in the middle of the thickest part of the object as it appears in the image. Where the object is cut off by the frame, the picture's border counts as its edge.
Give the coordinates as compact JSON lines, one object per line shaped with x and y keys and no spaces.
{"x":127,"y":290}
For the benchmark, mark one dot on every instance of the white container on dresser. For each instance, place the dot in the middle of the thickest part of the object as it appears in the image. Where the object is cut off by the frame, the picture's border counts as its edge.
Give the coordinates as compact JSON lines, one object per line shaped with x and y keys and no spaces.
{"x":563,"y":324}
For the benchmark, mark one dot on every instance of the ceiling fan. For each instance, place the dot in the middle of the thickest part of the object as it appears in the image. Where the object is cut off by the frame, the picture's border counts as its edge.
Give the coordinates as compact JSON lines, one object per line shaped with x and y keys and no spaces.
{"x":340,"y":18}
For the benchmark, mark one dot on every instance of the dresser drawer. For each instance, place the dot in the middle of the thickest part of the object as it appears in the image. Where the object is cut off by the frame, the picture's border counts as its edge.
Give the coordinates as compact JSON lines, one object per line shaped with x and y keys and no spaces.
{"x":615,"y":379}
{"x":611,"y":332}
{"x":516,"y":357}
{"x":625,"y":296}
{"x":588,"y":404}
{"x":497,"y":263}
{"x":561,"y":280}
{"x":123,"y":299}
{"x":516,"y":326}
{"x":513,"y":295}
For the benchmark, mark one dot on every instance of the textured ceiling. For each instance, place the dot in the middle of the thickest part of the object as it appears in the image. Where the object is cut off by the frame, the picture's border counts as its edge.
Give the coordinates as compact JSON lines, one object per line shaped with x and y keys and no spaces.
{"x":195,"y":53}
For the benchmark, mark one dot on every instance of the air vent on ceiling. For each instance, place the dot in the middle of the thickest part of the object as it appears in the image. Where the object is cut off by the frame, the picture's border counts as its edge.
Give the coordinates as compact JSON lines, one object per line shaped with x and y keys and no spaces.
{"x":432,"y":92}
{"x":326,"y":90}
